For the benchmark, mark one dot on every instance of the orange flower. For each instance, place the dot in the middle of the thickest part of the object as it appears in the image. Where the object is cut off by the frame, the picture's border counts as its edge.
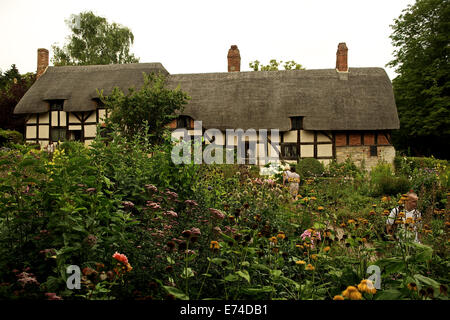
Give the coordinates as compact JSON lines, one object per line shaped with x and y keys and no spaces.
{"x":366,"y":285}
{"x":120,"y":257}
{"x":310,"y":267}
{"x":214,"y":245}
{"x":273,"y":240}
{"x":281,"y":235}
{"x":352,"y":293}
{"x":320,"y":208}
{"x":338,"y":297}
{"x":326,"y":249}
{"x":300,"y":262}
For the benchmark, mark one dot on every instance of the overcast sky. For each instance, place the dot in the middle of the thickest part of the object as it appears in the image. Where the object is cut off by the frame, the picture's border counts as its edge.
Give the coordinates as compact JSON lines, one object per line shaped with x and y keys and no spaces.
{"x":194,"y":36}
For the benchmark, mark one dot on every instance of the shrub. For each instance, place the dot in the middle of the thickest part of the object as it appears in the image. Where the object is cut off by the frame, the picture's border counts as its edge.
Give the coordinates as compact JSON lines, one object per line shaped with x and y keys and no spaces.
{"x":309,"y":167}
{"x":8,"y":137}
{"x":384,"y":181}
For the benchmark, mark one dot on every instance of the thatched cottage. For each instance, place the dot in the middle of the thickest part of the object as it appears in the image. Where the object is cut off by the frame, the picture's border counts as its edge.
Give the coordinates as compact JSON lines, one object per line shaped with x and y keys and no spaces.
{"x":326,"y":114}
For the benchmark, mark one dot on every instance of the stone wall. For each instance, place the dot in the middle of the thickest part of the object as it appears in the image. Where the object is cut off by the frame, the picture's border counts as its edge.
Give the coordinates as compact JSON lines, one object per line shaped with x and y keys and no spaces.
{"x":360,"y":153}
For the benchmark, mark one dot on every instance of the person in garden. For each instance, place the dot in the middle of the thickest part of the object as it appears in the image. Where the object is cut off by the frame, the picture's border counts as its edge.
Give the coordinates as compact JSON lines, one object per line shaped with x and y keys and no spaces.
{"x":408,"y":217}
{"x":50,"y":149}
{"x":293,"y":179}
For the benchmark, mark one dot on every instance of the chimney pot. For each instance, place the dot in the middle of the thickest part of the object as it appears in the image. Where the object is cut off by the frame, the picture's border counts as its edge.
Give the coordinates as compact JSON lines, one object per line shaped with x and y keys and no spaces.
{"x":234,"y":59}
{"x":42,"y":61}
{"x":341,"y":57}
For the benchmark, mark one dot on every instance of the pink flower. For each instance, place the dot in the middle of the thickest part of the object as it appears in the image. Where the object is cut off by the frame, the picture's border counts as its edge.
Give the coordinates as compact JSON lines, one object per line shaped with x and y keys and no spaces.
{"x":151,"y":188}
{"x":196,"y":232}
{"x":53,"y":296}
{"x":153,"y":205}
{"x":171,"y":213}
{"x":217,"y":213}
{"x":128,"y":204}
{"x":191,"y":203}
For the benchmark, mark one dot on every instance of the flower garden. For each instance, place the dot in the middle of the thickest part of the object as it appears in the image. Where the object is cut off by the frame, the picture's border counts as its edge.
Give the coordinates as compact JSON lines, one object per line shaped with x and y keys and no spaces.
{"x":139,"y":227}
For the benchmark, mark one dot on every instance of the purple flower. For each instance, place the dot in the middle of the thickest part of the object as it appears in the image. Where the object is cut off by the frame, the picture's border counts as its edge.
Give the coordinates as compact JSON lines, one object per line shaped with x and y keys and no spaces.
{"x":172,"y":194}
{"x":153,"y":205}
{"x":196,"y":232}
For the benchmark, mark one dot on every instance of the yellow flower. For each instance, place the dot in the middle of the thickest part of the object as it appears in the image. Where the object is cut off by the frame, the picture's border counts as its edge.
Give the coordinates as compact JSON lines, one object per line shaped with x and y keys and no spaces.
{"x":306,"y":199}
{"x":300,"y":262}
{"x":351,"y":221}
{"x":326,"y":249}
{"x":214,"y":245}
{"x":338,"y":297}
{"x":320,"y":208}
{"x":366,"y":285}
{"x":281,"y":235}
{"x":273,"y":240}
{"x":374,"y":206}
{"x":409,"y":220}
{"x":314,"y":256}
{"x":310,"y":267}
{"x":352,"y":293}
{"x":401,"y":214}
{"x":313,"y":198}
{"x":384,"y":199}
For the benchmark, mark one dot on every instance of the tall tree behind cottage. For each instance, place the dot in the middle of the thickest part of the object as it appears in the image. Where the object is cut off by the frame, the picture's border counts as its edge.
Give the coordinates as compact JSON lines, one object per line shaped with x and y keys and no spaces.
{"x":94,"y":41}
{"x":421,"y":58}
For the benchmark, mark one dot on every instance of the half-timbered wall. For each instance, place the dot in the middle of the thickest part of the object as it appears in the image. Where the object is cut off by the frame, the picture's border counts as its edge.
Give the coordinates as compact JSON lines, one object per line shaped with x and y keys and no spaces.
{"x":58,"y":125}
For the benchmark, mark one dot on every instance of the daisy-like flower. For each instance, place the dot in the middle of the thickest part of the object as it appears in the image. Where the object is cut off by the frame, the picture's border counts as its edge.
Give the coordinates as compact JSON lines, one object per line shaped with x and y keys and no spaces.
{"x":412,"y":286}
{"x":314,"y":256}
{"x":214,"y":245}
{"x":352,"y":293}
{"x":326,"y":249}
{"x":320,"y":208}
{"x":273,"y":240}
{"x":300,"y":262}
{"x":351,"y":221}
{"x":366,"y":285}
{"x":281,"y":235}
{"x":310,"y":267}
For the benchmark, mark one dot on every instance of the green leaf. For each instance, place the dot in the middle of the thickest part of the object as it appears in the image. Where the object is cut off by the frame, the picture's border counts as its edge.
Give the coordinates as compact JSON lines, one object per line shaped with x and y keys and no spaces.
{"x":187,"y":273}
{"x":276,"y":273}
{"x":391,"y":294}
{"x":177,"y":293}
{"x":425,"y":280}
{"x":231,"y":277}
{"x":244,"y":274}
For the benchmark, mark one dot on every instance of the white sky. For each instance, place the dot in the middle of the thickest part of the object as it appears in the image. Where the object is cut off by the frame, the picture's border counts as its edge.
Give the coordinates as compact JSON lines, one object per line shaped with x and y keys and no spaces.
{"x":193,"y":36}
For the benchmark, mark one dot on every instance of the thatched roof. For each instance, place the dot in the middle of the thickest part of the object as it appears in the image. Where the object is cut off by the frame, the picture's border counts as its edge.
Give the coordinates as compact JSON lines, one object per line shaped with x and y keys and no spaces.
{"x":256,"y":99}
{"x":78,"y":85}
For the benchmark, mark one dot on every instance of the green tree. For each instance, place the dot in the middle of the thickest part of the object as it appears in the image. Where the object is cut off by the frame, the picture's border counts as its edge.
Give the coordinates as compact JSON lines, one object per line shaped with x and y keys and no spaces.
{"x":13,"y":87}
{"x":94,"y":41}
{"x":274,"y":64}
{"x":421,"y":58}
{"x":153,"y":103}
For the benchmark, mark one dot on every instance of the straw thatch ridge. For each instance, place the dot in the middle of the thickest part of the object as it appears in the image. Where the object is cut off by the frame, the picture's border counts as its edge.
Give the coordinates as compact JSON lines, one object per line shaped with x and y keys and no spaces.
{"x":262,"y":99}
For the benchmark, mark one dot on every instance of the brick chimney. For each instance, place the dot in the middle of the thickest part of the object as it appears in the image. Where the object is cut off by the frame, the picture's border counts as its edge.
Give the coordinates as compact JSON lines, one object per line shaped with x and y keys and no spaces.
{"x":234,"y":59}
{"x":341,"y":58}
{"x":42,"y":62}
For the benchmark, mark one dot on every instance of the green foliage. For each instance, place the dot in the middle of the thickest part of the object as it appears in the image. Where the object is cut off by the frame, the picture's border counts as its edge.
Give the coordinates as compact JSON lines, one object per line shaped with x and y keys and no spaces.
{"x":95,"y":41}
{"x":197,"y":231}
{"x":384,"y":181}
{"x":8,"y":137}
{"x":274,"y":64}
{"x":152,"y":103}
{"x":309,"y":167}
{"x":420,"y":36}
